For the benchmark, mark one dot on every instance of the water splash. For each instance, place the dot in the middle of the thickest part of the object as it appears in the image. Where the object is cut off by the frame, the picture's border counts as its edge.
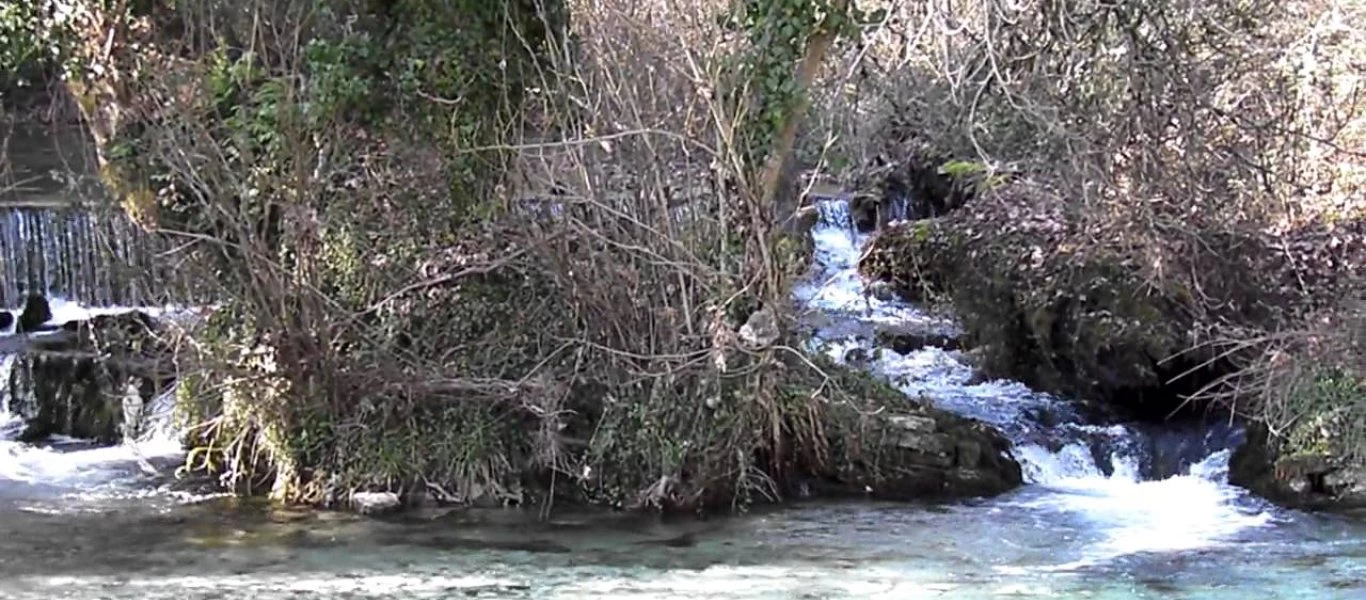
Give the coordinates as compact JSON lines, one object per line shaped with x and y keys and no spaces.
{"x":1074,"y":469}
{"x":64,"y":466}
{"x":1127,"y":515}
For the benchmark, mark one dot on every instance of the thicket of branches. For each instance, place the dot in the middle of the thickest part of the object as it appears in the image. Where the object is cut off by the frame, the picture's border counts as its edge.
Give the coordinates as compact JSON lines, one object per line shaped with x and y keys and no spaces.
{"x":476,"y":249}
{"x":1215,"y":147}
{"x":439,"y":226}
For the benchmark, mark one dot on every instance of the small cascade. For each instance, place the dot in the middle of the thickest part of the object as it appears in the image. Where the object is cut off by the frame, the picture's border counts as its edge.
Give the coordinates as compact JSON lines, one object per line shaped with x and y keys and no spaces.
{"x":1131,"y":482}
{"x":60,"y":238}
{"x":94,"y":257}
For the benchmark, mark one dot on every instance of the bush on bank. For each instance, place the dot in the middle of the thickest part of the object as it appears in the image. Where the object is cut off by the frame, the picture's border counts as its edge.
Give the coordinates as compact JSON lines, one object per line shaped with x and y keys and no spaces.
{"x":455,"y":257}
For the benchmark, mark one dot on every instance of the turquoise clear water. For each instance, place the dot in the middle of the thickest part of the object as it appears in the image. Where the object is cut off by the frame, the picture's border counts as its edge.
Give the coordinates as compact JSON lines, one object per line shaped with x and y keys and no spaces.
{"x":1023,"y":544}
{"x":1111,"y":510}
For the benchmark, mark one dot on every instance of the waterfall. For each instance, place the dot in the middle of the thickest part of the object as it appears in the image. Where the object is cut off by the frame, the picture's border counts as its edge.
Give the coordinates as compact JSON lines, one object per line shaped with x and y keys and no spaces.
{"x":93,"y":257}
{"x":1141,"y":488}
{"x":61,"y":237}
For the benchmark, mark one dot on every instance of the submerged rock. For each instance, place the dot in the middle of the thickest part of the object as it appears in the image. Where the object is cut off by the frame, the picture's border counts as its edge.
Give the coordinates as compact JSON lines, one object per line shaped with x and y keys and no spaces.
{"x":905,"y":340}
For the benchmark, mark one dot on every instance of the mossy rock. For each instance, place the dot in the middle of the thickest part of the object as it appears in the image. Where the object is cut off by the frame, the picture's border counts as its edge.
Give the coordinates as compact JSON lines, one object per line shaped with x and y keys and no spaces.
{"x":1318,"y":458}
{"x":888,"y":446}
{"x":1057,"y":315}
{"x":76,"y":397}
{"x":1275,"y":470}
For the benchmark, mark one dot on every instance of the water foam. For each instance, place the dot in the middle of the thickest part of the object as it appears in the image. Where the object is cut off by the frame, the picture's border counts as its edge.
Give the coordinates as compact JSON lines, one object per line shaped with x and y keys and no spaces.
{"x":69,"y":464}
{"x":1074,"y":469}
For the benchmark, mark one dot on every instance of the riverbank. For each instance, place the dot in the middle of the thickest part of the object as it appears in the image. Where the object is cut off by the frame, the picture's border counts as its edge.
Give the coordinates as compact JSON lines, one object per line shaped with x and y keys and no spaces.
{"x":483,"y":284}
{"x":1109,"y":510}
{"x":1158,"y":323}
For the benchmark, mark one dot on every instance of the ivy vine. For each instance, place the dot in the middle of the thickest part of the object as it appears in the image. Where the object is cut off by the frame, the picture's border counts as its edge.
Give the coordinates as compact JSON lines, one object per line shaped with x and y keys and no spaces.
{"x":778,"y":32}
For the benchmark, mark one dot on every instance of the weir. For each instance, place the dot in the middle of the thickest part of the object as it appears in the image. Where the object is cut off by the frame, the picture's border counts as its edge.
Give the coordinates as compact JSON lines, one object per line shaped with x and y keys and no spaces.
{"x":60,"y":234}
{"x":96,"y":257}
{"x":73,"y":270}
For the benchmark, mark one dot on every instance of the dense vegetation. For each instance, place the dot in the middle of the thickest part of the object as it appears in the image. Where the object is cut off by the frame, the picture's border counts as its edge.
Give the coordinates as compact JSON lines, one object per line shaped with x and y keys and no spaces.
{"x":1162,"y":212}
{"x":463,"y":250}
{"x":501,"y":250}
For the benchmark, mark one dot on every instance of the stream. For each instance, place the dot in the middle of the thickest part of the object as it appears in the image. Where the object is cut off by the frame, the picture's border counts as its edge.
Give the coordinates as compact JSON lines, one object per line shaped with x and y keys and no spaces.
{"x":1110,"y":510}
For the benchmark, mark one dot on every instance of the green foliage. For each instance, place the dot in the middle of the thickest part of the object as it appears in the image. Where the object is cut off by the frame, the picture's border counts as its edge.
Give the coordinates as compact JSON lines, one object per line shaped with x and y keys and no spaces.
{"x":33,"y":43}
{"x":23,"y":41}
{"x":1325,"y":415}
{"x":340,"y":79}
{"x":778,"y":32}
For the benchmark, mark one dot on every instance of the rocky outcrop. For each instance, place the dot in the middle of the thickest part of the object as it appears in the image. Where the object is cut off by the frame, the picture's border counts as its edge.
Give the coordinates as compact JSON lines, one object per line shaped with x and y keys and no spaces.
{"x":1128,"y":322}
{"x":1306,"y":480}
{"x":1063,"y":312}
{"x":1077,"y":323}
{"x":945,"y":455}
{"x":898,"y":448}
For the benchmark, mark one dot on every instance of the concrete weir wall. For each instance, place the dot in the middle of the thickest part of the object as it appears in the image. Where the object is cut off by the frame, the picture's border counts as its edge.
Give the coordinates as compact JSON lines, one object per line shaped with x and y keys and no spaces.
{"x":61,"y":235}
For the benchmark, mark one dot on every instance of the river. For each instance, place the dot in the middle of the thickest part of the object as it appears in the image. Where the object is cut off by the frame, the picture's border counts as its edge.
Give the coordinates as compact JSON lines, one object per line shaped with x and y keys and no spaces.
{"x":1110,"y":510}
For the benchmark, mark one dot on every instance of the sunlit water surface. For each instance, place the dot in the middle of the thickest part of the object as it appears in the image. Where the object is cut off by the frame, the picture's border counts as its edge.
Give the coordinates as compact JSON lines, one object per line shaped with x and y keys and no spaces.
{"x":1111,"y":510}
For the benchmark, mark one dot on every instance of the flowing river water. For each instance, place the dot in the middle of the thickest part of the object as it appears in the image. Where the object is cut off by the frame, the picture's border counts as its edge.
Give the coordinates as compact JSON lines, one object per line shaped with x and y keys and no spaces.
{"x":1110,"y":510}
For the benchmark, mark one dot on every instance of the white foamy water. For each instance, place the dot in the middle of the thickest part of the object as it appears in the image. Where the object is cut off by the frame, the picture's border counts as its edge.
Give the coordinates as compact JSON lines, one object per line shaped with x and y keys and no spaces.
{"x":75,"y":468}
{"x":68,"y":466}
{"x":65,"y":311}
{"x":1121,"y":514}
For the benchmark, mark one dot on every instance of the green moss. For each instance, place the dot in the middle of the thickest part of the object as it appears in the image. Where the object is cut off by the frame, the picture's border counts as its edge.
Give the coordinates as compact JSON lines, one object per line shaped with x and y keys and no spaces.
{"x":971,"y":178}
{"x":962,"y":169}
